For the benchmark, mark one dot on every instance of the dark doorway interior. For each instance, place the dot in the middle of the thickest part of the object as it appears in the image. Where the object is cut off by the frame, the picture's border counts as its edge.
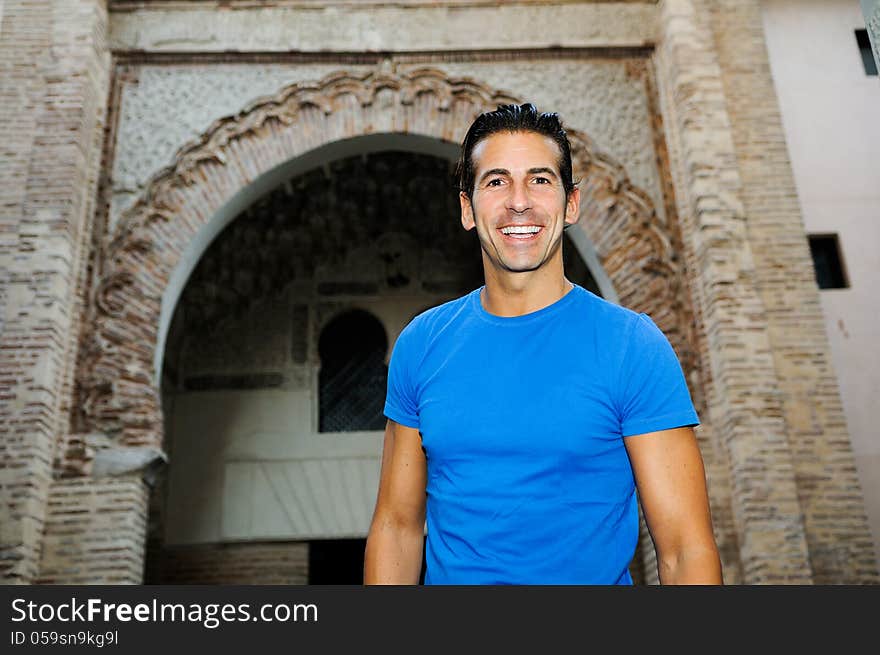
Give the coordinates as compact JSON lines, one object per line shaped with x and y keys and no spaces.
{"x":337,"y":561}
{"x":340,"y":562}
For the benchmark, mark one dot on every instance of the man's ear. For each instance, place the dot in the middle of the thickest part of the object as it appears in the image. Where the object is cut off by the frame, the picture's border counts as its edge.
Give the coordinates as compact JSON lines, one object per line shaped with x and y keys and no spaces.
{"x":572,"y":206}
{"x":467,"y":211}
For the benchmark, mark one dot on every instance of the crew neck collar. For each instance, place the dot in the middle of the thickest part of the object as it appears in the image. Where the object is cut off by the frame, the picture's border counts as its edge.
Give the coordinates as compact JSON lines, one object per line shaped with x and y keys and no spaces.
{"x":538,"y":314}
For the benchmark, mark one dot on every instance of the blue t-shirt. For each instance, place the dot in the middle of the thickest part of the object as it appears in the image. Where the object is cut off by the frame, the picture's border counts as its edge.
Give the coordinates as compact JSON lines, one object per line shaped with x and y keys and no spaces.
{"x":522,"y":422}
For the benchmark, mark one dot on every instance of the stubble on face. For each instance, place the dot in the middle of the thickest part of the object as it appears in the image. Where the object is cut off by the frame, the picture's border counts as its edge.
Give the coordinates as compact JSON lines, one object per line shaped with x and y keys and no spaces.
{"x":519,"y":206}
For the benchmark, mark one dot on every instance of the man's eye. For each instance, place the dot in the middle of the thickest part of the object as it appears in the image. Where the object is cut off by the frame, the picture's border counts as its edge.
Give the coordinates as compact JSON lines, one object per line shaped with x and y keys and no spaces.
{"x":542,"y":180}
{"x":495,"y":182}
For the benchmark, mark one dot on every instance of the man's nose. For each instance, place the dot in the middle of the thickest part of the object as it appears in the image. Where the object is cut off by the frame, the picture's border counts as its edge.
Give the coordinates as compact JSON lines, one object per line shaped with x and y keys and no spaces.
{"x":519,"y":200}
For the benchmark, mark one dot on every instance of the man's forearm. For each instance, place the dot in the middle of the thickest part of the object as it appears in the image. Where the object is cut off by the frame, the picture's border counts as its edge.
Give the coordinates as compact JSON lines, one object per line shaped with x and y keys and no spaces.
{"x":695,"y":567}
{"x":393,"y":554}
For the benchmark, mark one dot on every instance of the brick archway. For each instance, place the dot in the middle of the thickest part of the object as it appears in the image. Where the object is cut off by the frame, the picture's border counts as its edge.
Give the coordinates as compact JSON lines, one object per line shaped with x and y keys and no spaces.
{"x":116,"y":390}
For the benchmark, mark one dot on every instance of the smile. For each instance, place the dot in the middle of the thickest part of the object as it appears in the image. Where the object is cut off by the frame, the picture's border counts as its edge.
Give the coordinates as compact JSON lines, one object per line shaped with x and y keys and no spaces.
{"x":521,"y":232}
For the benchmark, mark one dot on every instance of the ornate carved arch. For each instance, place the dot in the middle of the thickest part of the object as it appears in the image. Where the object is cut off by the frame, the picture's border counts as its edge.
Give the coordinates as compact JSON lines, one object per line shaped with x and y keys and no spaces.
{"x":115,"y":377}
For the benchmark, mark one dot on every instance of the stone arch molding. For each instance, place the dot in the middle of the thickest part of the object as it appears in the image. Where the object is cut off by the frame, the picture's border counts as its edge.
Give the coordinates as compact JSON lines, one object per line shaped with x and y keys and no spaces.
{"x":116,"y":393}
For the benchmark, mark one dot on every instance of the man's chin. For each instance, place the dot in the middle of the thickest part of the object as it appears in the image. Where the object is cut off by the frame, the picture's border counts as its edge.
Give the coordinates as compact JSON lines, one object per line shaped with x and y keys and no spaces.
{"x":520,"y":268}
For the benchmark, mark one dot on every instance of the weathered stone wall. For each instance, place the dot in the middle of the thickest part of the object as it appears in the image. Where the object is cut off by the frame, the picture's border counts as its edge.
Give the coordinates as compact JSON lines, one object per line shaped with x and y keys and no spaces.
{"x":744,"y":407}
{"x":54,"y":70}
{"x":779,"y":420}
{"x":379,"y":25}
{"x":827,"y":103}
{"x":95,"y":531}
{"x":806,"y":390}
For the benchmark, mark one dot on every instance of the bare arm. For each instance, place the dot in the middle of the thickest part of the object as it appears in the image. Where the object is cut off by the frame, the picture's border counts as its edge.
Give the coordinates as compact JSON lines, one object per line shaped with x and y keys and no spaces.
{"x":671,"y":481}
{"x":395,"y":541}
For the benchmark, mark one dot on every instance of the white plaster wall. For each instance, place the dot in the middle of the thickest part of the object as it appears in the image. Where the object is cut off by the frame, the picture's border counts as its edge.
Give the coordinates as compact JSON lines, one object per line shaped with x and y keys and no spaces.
{"x":831,"y":113}
{"x":248,"y":465}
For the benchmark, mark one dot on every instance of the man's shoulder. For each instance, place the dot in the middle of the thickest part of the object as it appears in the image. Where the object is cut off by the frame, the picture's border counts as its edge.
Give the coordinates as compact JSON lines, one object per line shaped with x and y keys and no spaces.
{"x":617,"y":326}
{"x":604,"y":313}
{"x":450,"y":307}
{"x":432,"y":320}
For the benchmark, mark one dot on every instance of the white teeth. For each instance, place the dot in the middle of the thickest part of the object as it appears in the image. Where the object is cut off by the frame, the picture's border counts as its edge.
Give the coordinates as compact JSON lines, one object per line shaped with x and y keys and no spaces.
{"x":521,"y":229}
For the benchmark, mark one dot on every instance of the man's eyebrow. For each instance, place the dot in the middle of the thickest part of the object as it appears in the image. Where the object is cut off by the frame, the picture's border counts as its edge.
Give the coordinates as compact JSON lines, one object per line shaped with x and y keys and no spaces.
{"x":544,"y":169}
{"x":494,"y":171}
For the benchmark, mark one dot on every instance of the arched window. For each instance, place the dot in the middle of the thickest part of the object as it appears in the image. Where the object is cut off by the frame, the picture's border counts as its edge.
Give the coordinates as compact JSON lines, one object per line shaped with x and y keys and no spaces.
{"x":351,"y":384}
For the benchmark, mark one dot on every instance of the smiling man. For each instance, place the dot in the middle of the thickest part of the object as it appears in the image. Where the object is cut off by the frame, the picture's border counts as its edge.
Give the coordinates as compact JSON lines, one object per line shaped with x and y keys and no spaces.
{"x":528,"y":418}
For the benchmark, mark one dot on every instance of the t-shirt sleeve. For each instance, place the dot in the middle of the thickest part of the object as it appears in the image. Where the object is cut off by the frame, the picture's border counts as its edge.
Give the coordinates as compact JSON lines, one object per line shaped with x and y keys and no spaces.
{"x":654,"y":392}
{"x":401,"y":403}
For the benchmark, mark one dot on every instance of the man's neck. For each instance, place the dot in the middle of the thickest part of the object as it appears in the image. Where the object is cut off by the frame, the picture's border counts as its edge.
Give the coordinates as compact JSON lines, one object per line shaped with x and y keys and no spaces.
{"x":514,"y":294}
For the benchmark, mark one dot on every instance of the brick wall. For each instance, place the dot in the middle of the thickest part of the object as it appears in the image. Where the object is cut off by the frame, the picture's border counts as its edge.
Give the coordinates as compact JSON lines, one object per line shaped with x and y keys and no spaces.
{"x":53,"y":86}
{"x":829,"y":493}
{"x":744,"y":407}
{"x":281,"y":563}
{"x":94,"y":531}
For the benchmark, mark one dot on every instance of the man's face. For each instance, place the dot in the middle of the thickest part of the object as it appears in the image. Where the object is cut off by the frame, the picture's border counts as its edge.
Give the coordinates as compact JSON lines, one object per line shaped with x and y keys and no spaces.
{"x":519,"y":207}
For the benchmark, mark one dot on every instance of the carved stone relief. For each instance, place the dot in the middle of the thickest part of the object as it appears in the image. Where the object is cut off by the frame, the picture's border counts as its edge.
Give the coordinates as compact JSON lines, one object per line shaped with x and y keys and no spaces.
{"x":170,"y":105}
{"x":167,"y":106}
{"x":607,"y":99}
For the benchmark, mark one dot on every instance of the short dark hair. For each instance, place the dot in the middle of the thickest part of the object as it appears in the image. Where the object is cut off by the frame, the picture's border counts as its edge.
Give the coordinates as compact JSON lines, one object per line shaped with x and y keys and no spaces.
{"x":513,"y":118}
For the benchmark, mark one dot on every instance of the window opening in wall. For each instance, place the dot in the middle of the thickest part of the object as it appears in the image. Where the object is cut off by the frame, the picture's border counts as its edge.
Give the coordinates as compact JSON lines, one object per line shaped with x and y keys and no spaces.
{"x":351,"y":383}
{"x":827,"y":261}
{"x":868,"y":60}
